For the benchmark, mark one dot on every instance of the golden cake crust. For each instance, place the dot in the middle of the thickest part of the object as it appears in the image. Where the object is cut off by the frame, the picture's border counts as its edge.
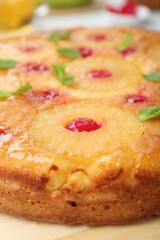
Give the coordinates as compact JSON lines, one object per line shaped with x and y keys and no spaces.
{"x":48,"y":173}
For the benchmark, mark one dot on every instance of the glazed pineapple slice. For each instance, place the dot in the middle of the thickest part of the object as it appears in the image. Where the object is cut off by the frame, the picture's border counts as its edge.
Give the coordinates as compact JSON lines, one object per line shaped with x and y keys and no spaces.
{"x":12,"y":79}
{"x":34,"y":56}
{"x":153,"y":57}
{"x":84,"y":131}
{"x":149,"y":60}
{"x":90,"y":42}
{"x":95,"y":39}
{"x":107,"y":40}
{"x":154,"y":52}
{"x":102,"y":77}
{"x":29,"y":48}
{"x":38,"y":74}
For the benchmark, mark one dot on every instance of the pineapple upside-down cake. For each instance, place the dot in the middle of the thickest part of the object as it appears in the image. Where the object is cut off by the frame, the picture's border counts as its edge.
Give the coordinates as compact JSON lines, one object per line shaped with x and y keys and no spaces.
{"x":80,"y":125}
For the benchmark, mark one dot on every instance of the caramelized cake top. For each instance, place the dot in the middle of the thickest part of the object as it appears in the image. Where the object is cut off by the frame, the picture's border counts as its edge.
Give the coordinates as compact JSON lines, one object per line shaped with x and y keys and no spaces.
{"x":80,"y":99}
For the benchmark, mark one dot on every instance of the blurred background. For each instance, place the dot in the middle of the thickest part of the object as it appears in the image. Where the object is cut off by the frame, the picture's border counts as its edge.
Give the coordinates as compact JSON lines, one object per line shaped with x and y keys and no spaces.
{"x":41,"y":15}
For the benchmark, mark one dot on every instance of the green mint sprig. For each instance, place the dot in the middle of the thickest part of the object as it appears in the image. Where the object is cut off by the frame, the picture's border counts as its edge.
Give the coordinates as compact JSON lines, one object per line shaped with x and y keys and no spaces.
{"x":153,"y":77}
{"x":59,"y":71}
{"x":69,"y":52}
{"x":57,"y":36}
{"x":7,"y":63}
{"x":149,"y":113}
{"x":21,"y":89}
{"x":127,"y":41}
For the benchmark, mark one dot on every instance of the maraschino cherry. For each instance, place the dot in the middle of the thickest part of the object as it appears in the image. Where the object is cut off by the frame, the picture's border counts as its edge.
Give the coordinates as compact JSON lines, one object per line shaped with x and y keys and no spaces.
{"x":128,"y":51}
{"x":42,"y":96}
{"x":136,"y":99}
{"x":83,"y":125}
{"x":98,"y":37}
{"x":85,"y":52}
{"x":99,"y":74}
{"x":37,"y":67}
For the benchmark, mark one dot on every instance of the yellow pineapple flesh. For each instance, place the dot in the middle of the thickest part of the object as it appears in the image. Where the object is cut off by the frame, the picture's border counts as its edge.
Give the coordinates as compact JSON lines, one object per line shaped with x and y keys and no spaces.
{"x":48,"y":130}
{"x":125,"y":77}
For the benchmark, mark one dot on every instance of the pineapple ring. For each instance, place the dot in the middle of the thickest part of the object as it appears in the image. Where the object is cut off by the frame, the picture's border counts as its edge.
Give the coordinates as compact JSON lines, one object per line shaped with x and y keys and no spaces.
{"x":48,"y":130}
{"x":113,"y":37}
{"x":125,"y":77}
{"x":149,"y":61}
{"x":44,"y":50}
{"x":85,"y":37}
{"x":45,"y":53}
{"x":154,"y":52}
{"x":13,"y":78}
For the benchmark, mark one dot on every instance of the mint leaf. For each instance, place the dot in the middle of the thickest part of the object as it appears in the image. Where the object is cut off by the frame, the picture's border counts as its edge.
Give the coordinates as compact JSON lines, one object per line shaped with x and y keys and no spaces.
{"x":127,"y":41}
{"x":68,"y":80}
{"x":7,"y":63}
{"x":5,"y":94}
{"x":69,"y":52}
{"x":154,"y":77}
{"x":59,"y":71}
{"x":23,"y":88}
{"x":56,"y":36}
{"x":60,"y":74}
{"x":149,"y":113}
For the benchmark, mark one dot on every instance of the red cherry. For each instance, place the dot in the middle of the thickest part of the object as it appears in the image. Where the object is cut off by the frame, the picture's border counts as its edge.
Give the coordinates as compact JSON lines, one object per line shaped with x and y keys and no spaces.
{"x":98,"y":37}
{"x":83,"y":125}
{"x":28,"y":67}
{"x":128,"y":51}
{"x":27,"y":49}
{"x":2,"y":130}
{"x":136,"y":99}
{"x":85,"y":52}
{"x":47,"y":95}
{"x":99,"y":74}
{"x":128,"y":8}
